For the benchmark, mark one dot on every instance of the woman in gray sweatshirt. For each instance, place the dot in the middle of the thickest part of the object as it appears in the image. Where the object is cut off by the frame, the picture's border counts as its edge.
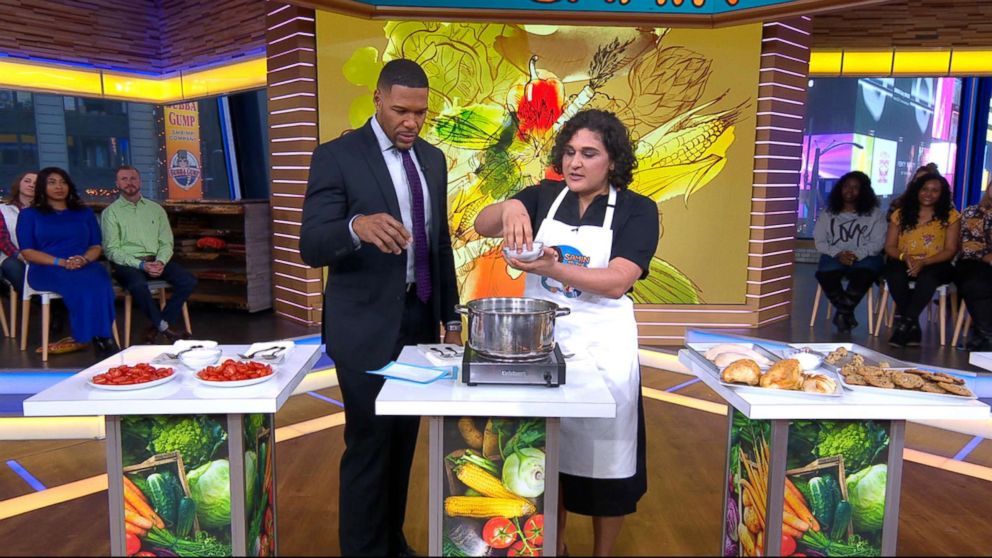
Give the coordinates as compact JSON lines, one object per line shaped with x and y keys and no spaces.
{"x":850,"y":235}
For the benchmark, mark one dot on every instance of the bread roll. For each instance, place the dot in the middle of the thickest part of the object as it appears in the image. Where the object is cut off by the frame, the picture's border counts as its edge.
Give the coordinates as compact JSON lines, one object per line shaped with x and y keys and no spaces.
{"x":784,"y":374}
{"x":742,"y":371}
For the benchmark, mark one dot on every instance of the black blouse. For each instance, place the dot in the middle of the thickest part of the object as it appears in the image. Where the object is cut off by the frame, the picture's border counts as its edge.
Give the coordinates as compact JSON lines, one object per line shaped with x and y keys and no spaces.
{"x":635,"y":218}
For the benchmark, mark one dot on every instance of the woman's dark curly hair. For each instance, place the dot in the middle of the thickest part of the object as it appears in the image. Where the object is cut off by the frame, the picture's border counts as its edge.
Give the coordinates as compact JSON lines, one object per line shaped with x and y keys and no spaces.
{"x":615,"y":137}
{"x":909,"y":212}
{"x":72,"y":201}
{"x":867,"y":200}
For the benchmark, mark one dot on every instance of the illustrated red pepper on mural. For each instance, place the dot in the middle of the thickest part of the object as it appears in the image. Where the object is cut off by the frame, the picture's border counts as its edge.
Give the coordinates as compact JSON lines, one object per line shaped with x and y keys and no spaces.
{"x":537,"y":102}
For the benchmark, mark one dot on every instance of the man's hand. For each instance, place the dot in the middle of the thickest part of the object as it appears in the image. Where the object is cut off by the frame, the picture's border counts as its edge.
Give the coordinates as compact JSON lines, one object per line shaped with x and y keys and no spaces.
{"x":847,"y":257}
{"x":517,"y":233}
{"x":155,"y":268}
{"x":915,"y":265}
{"x":453,"y":337}
{"x":383,"y":230}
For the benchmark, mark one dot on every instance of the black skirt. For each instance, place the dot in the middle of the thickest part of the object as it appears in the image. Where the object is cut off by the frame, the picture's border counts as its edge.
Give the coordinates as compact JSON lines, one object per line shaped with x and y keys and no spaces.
{"x":609,"y":497}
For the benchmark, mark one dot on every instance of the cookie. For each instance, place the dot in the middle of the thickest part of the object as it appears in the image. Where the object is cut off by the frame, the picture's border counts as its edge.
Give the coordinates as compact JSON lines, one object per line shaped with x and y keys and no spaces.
{"x":932,"y":387}
{"x":879,"y":381}
{"x":855,"y":379}
{"x":857,"y":359}
{"x":946,"y":379}
{"x":955,"y":389}
{"x":906,"y":381}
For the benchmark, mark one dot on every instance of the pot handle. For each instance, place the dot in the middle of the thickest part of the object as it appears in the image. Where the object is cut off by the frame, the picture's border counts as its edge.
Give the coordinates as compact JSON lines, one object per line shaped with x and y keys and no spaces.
{"x":562,"y":311}
{"x":461,"y":309}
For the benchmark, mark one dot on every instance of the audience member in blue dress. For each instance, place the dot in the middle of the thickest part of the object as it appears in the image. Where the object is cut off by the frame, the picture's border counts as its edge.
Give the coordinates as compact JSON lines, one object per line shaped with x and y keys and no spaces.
{"x":60,"y":239}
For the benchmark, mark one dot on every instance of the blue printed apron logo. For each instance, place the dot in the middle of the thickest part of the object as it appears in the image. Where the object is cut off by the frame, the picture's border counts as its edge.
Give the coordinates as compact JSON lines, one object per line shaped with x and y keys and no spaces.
{"x":569,"y":256}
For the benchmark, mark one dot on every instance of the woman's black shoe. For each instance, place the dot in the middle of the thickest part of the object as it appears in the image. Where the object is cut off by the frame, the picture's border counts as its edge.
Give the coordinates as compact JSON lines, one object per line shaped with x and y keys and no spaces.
{"x":899,"y":331}
{"x":979,"y":342}
{"x":914,"y":334}
{"x":105,"y":347}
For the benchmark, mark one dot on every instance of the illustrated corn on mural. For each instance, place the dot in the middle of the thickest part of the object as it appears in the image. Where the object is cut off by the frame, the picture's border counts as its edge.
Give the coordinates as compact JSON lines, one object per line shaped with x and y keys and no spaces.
{"x":500,"y":92}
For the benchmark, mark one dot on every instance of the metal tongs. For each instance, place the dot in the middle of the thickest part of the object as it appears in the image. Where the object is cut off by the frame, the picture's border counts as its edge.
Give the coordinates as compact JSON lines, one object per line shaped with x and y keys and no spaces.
{"x":273,"y":353}
{"x":446,"y":352}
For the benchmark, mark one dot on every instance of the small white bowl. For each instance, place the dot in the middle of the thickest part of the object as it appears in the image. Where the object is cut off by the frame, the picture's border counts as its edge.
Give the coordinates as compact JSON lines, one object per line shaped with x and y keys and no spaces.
{"x":196,"y":359}
{"x":807,"y":361}
{"x":525,"y":255}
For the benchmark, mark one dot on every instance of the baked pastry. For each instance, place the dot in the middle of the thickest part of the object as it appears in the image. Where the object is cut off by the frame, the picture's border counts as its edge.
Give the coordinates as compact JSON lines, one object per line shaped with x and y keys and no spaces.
{"x":742,"y":371}
{"x":784,"y":374}
{"x":818,"y":383}
{"x":719,"y":355}
{"x":716,"y":350}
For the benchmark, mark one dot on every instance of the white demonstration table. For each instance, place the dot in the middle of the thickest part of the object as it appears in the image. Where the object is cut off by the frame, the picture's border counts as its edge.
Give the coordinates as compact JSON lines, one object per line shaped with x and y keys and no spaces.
{"x":447,"y":401}
{"x":245,"y":415}
{"x":785,"y":417}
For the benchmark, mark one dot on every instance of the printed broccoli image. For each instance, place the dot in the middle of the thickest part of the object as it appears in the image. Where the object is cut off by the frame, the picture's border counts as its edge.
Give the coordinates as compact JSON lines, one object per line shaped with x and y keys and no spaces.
{"x":860,"y":443}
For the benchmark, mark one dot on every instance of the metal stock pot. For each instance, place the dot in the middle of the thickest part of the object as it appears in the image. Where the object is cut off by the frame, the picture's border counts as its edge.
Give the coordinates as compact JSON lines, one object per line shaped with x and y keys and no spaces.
{"x":512,"y":328}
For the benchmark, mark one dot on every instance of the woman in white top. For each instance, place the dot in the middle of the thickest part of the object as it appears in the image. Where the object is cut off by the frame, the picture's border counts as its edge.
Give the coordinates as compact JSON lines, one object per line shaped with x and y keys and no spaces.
{"x":21,"y":196}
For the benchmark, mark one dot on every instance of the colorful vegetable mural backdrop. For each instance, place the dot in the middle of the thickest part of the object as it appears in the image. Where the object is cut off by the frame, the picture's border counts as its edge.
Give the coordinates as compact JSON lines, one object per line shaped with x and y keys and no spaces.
{"x":500,"y":92}
{"x":494,"y":489}
{"x":177,"y":496}
{"x":834,"y":488}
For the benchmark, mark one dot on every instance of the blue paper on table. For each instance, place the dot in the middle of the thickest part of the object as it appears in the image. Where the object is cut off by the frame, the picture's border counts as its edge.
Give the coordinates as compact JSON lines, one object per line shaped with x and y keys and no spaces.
{"x":414,"y":372}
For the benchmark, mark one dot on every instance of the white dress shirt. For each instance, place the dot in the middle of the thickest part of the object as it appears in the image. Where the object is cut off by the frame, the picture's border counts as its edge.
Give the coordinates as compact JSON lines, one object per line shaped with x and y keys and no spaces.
{"x":394,"y":163}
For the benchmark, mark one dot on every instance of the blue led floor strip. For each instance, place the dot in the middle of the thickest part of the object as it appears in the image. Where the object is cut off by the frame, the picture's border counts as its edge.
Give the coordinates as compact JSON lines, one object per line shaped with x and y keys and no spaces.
{"x":968,"y":448}
{"x":24,"y":474}
{"x":682,"y":385}
{"x":325,"y":398}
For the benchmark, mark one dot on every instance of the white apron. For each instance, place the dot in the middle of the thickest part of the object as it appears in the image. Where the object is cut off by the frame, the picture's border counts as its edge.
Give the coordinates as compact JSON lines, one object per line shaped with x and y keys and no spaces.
{"x":604,"y":330}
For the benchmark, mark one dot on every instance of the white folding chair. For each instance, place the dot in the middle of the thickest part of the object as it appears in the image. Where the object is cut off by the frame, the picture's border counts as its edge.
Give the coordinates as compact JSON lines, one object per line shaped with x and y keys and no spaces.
{"x":941,"y":293}
{"x":816,"y":306}
{"x":46,"y":315}
{"x":157,"y":287}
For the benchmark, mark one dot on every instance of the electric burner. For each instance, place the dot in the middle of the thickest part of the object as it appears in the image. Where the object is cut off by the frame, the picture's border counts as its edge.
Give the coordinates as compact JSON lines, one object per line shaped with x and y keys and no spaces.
{"x":548,"y":371}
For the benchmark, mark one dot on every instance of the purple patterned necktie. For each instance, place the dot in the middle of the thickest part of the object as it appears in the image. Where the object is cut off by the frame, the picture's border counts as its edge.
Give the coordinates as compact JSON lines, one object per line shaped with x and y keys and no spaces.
{"x":421,"y":256}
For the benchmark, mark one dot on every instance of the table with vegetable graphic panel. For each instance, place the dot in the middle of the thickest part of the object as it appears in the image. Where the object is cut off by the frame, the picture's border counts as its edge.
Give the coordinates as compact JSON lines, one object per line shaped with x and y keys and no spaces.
{"x":493,"y":450}
{"x":190,"y":464}
{"x":819,"y":474}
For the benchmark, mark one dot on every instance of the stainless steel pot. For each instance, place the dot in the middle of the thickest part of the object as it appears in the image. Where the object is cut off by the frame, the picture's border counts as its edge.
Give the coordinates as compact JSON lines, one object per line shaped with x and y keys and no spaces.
{"x":512,"y":328}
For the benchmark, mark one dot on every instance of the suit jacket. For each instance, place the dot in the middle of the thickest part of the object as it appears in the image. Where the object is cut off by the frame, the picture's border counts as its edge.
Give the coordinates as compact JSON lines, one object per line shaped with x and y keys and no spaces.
{"x":364,"y":296}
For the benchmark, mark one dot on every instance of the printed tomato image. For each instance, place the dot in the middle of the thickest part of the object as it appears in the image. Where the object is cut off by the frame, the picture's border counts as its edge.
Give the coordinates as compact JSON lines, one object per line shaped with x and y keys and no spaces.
{"x":534,"y":530}
{"x":521,"y":548}
{"x":499,"y":532}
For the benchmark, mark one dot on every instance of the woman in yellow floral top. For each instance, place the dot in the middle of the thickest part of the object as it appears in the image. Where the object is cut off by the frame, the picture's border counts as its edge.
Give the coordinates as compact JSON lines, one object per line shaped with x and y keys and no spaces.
{"x":973,"y":273}
{"x":921,"y":241}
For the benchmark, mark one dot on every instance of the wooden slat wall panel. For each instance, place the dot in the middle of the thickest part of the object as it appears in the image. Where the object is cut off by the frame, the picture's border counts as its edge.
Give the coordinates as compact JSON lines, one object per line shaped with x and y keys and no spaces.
{"x":195,"y":33}
{"x":110,"y":33}
{"x":785,"y":61}
{"x":292,"y":90}
{"x":156,"y":36}
{"x":919,"y":24}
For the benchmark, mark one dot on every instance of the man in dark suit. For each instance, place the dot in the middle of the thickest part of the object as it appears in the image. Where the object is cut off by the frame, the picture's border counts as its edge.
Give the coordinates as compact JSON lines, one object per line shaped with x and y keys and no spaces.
{"x":376,"y":215}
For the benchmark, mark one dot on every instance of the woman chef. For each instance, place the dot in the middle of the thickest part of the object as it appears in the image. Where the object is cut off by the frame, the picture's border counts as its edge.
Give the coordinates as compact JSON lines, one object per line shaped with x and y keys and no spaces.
{"x":599,"y":238}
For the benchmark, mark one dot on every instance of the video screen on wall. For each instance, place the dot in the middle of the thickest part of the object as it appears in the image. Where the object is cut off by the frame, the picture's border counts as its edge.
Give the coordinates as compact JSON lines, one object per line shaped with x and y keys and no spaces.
{"x":884,"y":127}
